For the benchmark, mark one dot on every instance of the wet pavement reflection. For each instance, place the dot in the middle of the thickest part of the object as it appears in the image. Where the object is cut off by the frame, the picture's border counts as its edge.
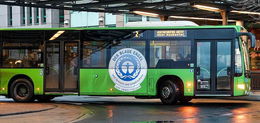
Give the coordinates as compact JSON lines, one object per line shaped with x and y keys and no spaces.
{"x":152,"y":111}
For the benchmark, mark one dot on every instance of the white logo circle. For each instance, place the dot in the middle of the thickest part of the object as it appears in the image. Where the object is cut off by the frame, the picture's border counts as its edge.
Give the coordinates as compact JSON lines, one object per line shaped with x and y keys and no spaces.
{"x":127,"y":69}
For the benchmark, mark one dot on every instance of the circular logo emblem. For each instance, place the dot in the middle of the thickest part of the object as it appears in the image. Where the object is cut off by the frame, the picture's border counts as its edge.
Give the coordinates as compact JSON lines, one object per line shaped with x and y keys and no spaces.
{"x":127,"y":69}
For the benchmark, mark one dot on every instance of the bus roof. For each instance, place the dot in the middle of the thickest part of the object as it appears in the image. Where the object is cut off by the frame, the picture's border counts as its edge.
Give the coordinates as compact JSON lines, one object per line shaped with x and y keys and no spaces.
{"x":238,"y":28}
{"x":160,"y":23}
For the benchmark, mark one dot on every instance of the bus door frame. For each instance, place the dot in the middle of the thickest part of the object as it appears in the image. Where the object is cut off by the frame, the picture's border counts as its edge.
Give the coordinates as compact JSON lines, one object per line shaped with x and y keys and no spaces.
{"x":61,"y":77}
{"x":213,"y":62}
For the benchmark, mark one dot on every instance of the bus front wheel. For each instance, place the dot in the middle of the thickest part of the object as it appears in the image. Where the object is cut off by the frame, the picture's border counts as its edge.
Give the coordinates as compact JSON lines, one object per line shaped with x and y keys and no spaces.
{"x":21,"y":90}
{"x":45,"y":98}
{"x":168,"y":92}
{"x":185,"y":99}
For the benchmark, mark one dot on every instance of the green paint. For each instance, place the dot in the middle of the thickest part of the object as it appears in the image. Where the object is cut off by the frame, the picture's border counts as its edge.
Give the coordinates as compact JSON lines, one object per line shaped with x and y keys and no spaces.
{"x":241,"y":80}
{"x":6,"y":75}
{"x":98,"y":82}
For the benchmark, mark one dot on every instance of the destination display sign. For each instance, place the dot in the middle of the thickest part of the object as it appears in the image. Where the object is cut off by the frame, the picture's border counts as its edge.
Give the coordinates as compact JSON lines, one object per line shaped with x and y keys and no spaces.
{"x":170,"y":33}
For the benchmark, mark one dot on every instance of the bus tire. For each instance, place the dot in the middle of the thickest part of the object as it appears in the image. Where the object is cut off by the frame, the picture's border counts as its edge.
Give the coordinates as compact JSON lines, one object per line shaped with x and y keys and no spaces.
{"x":185,"y":99}
{"x":44,"y":98}
{"x":21,"y":90}
{"x":168,"y":92}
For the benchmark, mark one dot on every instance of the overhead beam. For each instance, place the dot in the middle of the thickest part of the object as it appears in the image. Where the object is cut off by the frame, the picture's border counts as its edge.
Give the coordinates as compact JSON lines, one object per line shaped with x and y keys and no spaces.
{"x":95,"y":4}
{"x":54,"y":1}
{"x":166,"y":3}
{"x":173,"y":12}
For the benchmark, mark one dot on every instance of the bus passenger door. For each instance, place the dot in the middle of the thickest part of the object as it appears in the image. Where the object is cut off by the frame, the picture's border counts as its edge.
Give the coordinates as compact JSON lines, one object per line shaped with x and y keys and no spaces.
{"x":61,"y":66}
{"x":52,"y":66}
{"x":203,"y":67}
{"x":213,"y":68}
{"x":70,"y":66}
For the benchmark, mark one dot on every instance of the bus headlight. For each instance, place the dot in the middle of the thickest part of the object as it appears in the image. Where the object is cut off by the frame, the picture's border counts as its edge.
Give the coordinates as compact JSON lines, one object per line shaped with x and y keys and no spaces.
{"x":189,"y":84}
{"x":241,"y":86}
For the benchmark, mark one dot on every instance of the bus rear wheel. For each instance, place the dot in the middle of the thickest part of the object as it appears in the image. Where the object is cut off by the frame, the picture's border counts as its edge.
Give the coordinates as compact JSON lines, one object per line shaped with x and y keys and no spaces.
{"x":168,"y":92}
{"x":21,"y":90}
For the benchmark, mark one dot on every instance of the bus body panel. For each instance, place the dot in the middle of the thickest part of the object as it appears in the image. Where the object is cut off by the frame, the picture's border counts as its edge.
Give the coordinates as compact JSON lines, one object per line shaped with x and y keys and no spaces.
{"x":98,"y":82}
{"x":36,"y":75}
{"x":241,"y":81}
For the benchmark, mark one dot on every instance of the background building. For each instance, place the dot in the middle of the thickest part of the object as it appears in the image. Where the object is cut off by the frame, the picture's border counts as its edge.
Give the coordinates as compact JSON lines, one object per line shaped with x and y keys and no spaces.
{"x":30,"y":17}
{"x":94,"y":19}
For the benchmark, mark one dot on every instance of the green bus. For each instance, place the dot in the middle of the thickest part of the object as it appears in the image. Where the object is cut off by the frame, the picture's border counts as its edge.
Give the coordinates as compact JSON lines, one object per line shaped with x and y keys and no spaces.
{"x":174,"y":64}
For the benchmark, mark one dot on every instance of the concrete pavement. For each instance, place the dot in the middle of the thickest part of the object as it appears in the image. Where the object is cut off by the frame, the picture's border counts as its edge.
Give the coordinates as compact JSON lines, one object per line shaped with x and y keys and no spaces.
{"x":11,"y":112}
{"x":254,"y":96}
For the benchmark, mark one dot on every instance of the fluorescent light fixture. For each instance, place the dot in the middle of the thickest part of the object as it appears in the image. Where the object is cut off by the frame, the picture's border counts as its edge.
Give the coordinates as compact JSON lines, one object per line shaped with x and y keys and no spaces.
{"x":198,"y":18}
{"x":215,"y":9}
{"x":246,"y":12}
{"x":122,"y":10}
{"x":18,"y":62}
{"x":208,"y":8}
{"x":146,"y":13}
{"x":56,"y":35}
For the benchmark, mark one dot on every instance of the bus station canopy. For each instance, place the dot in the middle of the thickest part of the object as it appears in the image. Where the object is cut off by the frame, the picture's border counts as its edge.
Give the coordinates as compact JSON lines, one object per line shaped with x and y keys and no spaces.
{"x":245,"y":10}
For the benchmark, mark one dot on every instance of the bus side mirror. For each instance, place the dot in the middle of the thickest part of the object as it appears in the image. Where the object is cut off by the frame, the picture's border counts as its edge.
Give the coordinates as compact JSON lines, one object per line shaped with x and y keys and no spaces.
{"x":251,"y":37}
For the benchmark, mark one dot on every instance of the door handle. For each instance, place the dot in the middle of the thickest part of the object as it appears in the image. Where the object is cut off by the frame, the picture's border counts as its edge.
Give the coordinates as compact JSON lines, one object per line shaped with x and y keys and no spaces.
{"x":47,"y":70}
{"x":197,"y":70}
{"x":229,"y":71}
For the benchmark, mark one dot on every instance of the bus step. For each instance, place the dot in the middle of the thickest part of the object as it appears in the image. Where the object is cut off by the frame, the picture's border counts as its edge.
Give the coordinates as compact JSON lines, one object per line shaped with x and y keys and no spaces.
{"x":210,"y":95}
{"x":61,"y":93}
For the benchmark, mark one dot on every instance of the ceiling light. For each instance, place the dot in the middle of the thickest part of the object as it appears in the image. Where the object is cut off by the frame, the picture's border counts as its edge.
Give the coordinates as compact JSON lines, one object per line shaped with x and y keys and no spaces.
{"x":198,"y":18}
{"x":56,"y":35}
{"x":146,"y":13}
{"x":246,"y":12}
{"x":208,"y":8}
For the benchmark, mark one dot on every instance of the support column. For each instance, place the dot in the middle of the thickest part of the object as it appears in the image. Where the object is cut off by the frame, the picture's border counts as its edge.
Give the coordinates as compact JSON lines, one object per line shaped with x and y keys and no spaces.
{"x":240,"y":23}
{"x":102,"y":19}
{"x":164,"y":18}
{"x":224,"y":16}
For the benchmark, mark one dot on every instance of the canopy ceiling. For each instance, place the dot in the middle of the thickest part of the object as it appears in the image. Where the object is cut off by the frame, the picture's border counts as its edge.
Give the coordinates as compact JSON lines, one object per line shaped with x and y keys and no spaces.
{"x":162,"y":7}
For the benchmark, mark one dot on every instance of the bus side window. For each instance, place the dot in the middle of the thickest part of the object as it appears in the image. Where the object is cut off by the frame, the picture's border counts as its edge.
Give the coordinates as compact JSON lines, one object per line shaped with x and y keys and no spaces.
{"x":22,"y":54}
{"x":238,"y":60}
{"x":176,"y":51}
{"x":94,"y":54}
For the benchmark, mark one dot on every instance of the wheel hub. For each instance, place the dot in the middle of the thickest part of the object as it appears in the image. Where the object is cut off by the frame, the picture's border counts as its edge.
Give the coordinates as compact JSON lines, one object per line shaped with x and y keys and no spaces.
{"x":166,"y":92}
{"x":22,"y":91}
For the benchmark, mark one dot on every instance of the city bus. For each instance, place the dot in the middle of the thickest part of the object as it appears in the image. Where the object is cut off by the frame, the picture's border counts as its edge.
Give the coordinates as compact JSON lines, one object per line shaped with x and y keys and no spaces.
{"x":174,"y":64}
